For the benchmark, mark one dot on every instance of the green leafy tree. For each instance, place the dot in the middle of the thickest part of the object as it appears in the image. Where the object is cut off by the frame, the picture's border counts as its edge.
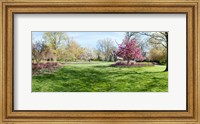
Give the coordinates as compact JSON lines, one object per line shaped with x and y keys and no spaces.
{"x":54,"y":40}
{"x":158,"y":55}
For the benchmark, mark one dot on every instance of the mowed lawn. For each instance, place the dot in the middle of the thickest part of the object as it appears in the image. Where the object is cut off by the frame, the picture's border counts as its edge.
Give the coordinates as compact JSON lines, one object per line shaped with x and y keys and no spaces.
{"x":101,"y":77}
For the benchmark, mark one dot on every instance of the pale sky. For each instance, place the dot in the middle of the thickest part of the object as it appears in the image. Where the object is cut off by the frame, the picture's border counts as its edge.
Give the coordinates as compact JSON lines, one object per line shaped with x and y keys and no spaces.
{"x":88,"y":39}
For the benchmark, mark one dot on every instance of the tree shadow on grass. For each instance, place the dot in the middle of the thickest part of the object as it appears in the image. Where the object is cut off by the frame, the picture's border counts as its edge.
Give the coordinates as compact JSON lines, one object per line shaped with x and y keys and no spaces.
{"x":96,"y":79}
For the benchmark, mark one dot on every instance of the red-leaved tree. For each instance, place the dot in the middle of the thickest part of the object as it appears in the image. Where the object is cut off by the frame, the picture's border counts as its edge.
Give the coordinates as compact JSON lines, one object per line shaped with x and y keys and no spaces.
{"x":129,"y":50}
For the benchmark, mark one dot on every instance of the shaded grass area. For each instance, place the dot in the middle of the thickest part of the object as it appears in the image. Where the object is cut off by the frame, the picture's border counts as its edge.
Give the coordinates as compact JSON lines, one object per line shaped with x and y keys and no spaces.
{"x":101,"y":77}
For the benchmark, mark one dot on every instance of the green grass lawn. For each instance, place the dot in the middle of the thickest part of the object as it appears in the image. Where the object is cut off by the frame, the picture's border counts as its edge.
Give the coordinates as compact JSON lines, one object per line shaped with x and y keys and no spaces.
{"x":101,"y":77}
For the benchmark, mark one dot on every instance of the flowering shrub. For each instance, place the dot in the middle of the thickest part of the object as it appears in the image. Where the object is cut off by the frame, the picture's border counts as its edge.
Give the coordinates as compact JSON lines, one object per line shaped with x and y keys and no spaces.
{"x":44,"y":67}
{"x":132,"y":63}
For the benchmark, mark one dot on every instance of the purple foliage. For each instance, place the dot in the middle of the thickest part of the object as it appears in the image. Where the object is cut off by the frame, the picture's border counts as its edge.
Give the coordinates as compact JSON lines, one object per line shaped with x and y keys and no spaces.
{"x":123,"y":63}
{"x":130,"y":50}
{"x":49,"y":66}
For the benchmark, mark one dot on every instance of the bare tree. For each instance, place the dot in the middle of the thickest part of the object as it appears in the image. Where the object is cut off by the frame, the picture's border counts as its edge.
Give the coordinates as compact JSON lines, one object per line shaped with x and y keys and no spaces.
{"x":106,"y":47}
{"x":38,"y":49}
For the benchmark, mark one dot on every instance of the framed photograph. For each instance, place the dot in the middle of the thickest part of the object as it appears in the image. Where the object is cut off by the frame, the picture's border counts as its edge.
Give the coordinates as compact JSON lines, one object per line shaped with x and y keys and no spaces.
{"x":84,"y":61}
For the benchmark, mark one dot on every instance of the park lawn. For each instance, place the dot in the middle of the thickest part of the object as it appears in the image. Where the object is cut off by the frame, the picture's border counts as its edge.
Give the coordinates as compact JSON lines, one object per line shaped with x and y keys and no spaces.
{"x":101,"y":77}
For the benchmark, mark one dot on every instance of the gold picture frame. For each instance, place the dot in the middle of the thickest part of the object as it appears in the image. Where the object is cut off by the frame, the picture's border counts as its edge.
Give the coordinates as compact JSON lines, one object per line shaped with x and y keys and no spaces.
{"x":10,"y":7}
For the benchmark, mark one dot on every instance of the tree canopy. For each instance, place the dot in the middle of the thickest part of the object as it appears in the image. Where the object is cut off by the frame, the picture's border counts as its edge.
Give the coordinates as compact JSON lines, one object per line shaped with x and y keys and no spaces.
{"x":129,"y":49}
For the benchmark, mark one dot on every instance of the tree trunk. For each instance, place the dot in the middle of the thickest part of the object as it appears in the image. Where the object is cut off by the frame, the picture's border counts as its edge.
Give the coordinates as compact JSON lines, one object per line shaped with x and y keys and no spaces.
{"x":128,"y":61}
{"x":166,"y":69}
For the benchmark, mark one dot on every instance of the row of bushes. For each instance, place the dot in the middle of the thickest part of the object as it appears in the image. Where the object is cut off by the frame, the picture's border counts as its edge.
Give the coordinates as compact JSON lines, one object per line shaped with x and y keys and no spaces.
{"x":133,"y":63}
{"x":38,"y":68}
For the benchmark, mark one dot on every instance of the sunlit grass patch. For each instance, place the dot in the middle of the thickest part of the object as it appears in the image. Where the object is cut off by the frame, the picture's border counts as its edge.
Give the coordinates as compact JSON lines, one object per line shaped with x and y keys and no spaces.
{"x":102,"y":77}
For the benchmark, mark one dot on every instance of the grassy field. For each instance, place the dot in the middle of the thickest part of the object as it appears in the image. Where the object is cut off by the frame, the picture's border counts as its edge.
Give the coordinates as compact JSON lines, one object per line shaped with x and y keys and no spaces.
{"x":101,"y":77}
